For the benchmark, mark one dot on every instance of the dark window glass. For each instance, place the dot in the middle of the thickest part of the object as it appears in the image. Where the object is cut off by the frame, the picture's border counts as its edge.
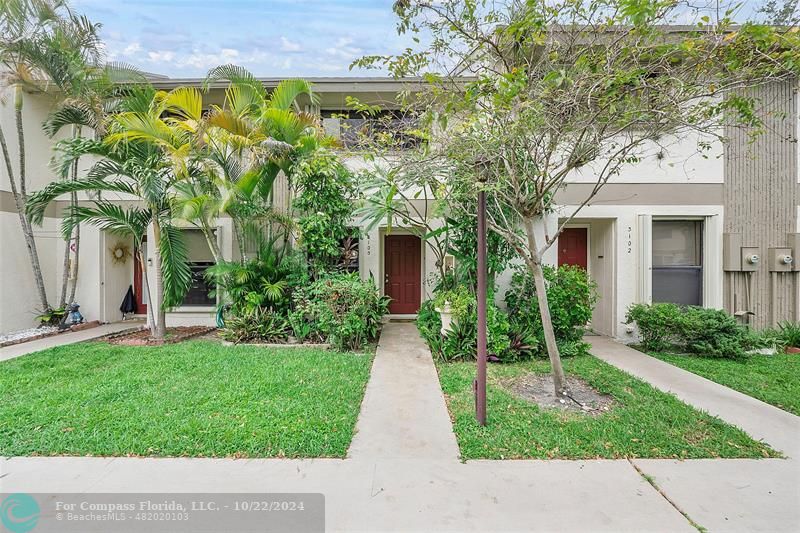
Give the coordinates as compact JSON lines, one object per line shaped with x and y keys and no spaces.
{"x":200,"y":290}
{"x":678,"y":261}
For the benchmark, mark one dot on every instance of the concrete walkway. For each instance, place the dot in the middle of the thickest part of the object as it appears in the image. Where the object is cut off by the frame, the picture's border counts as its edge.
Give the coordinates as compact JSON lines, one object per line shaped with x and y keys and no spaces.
{"x":778,"y":428}
{"x":10,"y":352}
{"x":403,"y":415}
{"x":403,"y":474}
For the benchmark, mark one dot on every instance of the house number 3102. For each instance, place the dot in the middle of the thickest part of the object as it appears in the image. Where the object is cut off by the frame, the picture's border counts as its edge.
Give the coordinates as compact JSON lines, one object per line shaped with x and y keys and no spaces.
{"x":630,"y":239}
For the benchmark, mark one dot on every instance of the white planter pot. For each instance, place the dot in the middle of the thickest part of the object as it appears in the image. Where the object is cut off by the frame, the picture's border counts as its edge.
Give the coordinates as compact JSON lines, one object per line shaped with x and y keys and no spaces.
{"x":447,"y":318}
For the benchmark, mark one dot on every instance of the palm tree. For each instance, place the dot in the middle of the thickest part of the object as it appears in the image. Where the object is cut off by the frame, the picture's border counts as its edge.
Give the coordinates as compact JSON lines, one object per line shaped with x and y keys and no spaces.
{"x":20,"y":22}
{"x":228,"y":159}
{"x":69,"y":58}
{"x":128,"y":166}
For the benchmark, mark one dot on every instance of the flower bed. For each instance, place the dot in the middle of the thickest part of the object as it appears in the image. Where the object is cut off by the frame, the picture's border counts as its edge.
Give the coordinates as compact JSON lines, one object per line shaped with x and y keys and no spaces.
{"x":142,"y":337}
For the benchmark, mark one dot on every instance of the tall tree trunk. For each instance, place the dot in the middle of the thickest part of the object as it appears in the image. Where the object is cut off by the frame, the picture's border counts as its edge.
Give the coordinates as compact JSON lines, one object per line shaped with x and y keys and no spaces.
{"x":534,"y":263}
{"x":160,"y":313}
{"x":20,"y":199}
{"x":237,"y":229}
{"x":62,"y":299}
{"x":143,"y":266}
{"x":75,"y":239}
{"x":211,"y":240}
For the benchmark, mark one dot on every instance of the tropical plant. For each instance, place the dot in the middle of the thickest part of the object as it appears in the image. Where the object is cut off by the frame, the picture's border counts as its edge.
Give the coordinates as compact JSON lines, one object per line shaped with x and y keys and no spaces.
{"x":324,"y":207}
{"x":87,"y":92}
{"x":789,"y":333}
{"x":343,"y":308}
{"x":258,"y":325}
{"x":260,"y":283}
{"x":23,"y":22}
{"x":130,"y":165}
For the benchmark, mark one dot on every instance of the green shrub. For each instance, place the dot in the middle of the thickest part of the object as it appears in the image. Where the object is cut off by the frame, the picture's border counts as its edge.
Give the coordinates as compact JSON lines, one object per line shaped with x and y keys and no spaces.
{"x":461,"y":342}
{"x":260,"y":325}
{"x":696,"y":330}
{"x":713,"y":333}
{"x":342,"y":308}
{"x":659,"y":324}
{"x":789,"y":334}
{"x":429,"y":324}
{"x":571,"y":296}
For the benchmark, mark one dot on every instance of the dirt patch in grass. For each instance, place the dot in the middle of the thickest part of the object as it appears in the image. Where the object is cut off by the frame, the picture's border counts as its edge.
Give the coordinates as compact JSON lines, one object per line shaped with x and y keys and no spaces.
{"x":538,"y":389}
{"x":141,"y":337}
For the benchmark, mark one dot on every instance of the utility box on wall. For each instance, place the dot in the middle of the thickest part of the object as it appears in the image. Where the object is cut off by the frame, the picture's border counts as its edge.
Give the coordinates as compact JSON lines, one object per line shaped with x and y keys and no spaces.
{"x":738,"y":258}
{"x":731,"y":252}
{"x":780,"y":260}
{"x":750,"y":258}
{"x":793,"y":242}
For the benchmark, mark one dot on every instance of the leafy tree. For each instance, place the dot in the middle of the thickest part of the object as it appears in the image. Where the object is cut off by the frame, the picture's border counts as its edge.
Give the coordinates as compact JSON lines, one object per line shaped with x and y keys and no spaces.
{"x":780,"y":12}
{"x":21,"y":23}
{"x":563,"y":87}
{"x":228,"y":159}
{"x":69,"y":58}
{"x":324,"y":207}
{"x":128,"y":165}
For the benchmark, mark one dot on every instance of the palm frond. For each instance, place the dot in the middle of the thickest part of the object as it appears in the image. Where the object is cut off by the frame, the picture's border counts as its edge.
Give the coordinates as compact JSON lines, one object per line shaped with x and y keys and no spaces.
{"x":185,"y":102}
{"x":107,"y":216}
{"x":37,"y":203}
{"x":286,"y":93}
{"x":69,"y":114}
{"x":175,"y":269}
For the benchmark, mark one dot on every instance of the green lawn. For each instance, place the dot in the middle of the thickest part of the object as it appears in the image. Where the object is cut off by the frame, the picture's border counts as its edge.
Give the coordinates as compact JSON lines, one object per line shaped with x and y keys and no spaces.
{"x":644,"y":423}
{"x":774,"y":379}
{"x":196,"y":399}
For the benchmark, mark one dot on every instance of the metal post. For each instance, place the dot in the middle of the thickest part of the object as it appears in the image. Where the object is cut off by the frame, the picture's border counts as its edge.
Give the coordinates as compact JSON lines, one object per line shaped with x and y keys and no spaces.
{"x":480,"y":384}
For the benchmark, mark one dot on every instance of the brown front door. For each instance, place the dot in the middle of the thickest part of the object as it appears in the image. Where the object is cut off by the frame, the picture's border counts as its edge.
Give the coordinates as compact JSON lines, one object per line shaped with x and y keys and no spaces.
{"x":138,"y":285}
{"x":403,"y":280}
{"x":572,"y":247}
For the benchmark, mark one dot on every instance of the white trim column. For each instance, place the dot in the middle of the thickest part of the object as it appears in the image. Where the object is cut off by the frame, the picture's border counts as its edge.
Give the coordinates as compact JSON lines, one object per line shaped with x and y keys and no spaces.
{"x":644,"y":232}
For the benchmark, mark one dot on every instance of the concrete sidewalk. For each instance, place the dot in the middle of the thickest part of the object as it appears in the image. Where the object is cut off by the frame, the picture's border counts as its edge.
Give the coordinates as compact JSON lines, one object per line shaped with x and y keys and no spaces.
{"x":403,"y":474}
{"x":778,"y":428}
{"x":10,"y":352}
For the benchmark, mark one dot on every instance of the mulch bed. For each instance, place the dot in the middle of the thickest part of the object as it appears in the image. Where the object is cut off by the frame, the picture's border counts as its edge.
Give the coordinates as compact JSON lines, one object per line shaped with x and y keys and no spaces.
{"x":76,"y":327}
{"x":538,"y":388}
{"x":141,"y":336}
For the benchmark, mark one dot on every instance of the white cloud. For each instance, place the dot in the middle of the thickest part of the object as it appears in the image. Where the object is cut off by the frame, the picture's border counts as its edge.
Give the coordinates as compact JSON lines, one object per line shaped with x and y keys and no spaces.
{"x":203,"y":60}
{"x":343,"y":49}
{"x":290,"y":46}
{"x":132,"y":49}
{"x":160,"y":56}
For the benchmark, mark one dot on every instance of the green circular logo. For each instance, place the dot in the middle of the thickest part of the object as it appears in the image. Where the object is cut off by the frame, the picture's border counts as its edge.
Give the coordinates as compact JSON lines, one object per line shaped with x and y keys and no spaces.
{"x":20,"y":513}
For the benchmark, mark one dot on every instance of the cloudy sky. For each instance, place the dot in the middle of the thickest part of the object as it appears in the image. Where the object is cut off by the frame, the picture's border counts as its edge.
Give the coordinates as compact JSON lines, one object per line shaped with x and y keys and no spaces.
{"x":184,"y":38}
{"x":276,"y":38}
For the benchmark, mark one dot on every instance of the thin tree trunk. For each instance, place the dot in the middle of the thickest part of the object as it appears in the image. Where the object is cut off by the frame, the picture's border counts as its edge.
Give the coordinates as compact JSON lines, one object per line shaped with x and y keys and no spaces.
{"x":20,"y":200}
{"x":76,"y":263}
{"x":160,"y":313}
{"x":146,"y":288}
{"x":211,"y":240}
{"x":535,"y":267}
{"x":76,"y":235}
{"x":240,"y":240}
{"x":62,"y":300}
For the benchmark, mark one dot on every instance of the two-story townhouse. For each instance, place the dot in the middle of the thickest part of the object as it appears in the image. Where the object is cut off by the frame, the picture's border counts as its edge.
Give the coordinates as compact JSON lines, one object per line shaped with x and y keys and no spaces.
{"x":678,"y":226}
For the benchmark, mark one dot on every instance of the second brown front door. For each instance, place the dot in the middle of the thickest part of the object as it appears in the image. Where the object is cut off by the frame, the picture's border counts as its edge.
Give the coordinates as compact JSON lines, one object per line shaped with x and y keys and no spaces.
{"x":573,"y":247}
{"x":403,"y":273}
